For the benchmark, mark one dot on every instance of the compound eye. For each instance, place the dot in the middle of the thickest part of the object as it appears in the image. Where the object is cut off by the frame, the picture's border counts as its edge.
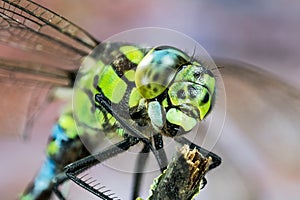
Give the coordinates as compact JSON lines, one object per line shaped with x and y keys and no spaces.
{"x":191,"y":95}
{"x":157,"y":70}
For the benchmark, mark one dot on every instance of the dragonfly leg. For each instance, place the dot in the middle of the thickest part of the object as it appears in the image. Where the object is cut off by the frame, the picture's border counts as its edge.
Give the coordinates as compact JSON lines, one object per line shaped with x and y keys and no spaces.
{"x":139,"y":167}
{"x":159,"y":146}
{"x":57,"y":181}
{"x":79,"y":166}
{"x":106,"y":103}
{"x":141,"y":161}
{"x":216,"y":160}
{"x":58,"y":193}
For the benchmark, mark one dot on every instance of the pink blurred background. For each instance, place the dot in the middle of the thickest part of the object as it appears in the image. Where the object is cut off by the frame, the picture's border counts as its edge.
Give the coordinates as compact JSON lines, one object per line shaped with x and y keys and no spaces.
{"x":259,"y":149}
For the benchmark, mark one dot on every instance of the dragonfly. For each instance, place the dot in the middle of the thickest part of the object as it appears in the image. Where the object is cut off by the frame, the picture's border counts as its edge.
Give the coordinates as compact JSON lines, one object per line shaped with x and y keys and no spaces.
{"x":232,"y":72}
{"x":156,"y":102}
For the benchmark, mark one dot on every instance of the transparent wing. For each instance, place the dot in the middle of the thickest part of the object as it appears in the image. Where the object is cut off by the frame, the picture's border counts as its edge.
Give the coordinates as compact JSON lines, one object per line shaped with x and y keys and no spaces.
{"x":24,"y":88}
{"x":264,"y":108}
{"x":30,"y":26}
{"x":260,"y":140}
{"x":34,"y":73}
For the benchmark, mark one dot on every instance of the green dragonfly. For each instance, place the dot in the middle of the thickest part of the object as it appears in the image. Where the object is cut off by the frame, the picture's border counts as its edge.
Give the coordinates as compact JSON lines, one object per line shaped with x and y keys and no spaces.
{"x":121,"y":89}
{"x":37,"y":29}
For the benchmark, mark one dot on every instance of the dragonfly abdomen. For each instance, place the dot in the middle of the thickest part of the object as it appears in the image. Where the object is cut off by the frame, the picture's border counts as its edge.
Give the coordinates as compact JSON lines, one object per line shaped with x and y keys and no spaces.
{"x":64,"y":147}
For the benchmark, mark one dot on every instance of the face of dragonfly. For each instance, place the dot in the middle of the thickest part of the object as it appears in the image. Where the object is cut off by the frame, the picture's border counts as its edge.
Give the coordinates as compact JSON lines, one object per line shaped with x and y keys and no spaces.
{"x":190,"y":87}
{"x":261,"y":132}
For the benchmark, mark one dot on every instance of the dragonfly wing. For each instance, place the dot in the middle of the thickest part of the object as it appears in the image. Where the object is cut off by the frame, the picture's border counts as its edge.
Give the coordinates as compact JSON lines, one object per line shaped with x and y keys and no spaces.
{"x":265,"y":108}
{"x":34,"y":73}
{"x":19,"y":107}
{"x":25,"y":88}
{"x":260,"y":139}
{"x":30,"y":26}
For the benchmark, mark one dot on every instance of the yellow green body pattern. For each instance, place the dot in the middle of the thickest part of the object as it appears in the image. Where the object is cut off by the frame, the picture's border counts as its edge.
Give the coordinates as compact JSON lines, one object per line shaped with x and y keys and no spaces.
{"x":157,"y":90}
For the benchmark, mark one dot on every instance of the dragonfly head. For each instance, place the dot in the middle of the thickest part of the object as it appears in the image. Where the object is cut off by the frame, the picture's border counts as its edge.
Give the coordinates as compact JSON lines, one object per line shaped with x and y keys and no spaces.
{"x":187,"y":87}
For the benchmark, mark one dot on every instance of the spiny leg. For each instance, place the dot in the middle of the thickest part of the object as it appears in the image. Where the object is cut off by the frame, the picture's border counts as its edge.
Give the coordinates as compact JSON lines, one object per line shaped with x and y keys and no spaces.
{"x":216,"y":160}
{"x":106,"y":103}
{"x":139,"y":167}
{"x":79,"y":166}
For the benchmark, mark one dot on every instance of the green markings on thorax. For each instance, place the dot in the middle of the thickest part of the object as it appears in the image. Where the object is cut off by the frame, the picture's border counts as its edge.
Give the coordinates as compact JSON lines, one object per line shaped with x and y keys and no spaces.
{"x":112,"y":81}
{"x":112,"y":86}
{"x":84,"y":92}
{"x":115,"y":78}
{"x":133,"y":54}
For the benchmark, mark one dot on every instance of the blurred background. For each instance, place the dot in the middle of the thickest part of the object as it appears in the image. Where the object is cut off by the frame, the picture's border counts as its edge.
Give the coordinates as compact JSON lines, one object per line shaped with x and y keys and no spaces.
{"x":260,"y":141}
